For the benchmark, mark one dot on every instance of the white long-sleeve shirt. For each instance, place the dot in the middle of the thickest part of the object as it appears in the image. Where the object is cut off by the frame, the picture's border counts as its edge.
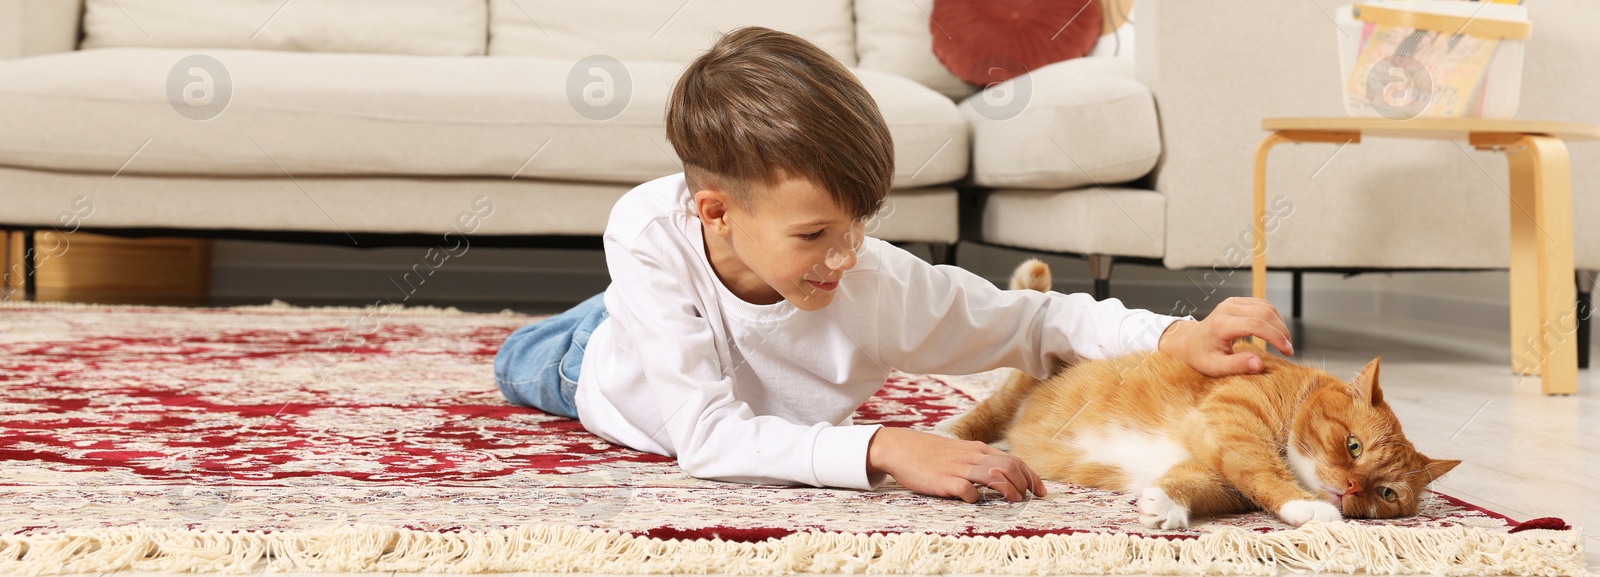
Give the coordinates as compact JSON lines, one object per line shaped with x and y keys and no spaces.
{"x":764,"y":393}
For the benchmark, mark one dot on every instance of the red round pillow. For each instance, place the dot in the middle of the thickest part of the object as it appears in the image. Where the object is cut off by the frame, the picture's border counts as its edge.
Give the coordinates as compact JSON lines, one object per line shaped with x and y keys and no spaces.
{"x":989,"y":41}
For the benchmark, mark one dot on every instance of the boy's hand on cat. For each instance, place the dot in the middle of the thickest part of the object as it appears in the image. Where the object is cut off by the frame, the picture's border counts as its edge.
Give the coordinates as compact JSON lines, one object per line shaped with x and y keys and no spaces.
{"x":1208,"y":345}
{"x":941,"y":467}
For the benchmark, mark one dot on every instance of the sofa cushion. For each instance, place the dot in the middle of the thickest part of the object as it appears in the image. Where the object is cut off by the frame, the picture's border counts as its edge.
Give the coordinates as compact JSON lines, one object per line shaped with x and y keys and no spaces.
{"x":989,"y":41}
{"x":360,"y":114}
{"x":1095,"y":220}
{"x":437,"y":27}
{"x":668,"y":31}
{"x":1066,"y":125}
{"x":895,"y":36}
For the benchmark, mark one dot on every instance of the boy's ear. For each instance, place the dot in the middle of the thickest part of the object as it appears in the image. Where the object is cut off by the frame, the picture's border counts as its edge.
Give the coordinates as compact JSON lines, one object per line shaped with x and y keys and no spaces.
{"x":712,"y":206}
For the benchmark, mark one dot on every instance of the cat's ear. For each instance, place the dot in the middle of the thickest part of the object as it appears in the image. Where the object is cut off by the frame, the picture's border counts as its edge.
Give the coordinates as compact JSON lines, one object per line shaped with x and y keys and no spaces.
{"x":1366,"y":382}
{"x":1437,"y":468}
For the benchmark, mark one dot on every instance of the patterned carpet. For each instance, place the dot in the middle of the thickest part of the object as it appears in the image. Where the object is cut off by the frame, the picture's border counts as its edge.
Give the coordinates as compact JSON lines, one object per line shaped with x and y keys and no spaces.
{"x":282,"y":421}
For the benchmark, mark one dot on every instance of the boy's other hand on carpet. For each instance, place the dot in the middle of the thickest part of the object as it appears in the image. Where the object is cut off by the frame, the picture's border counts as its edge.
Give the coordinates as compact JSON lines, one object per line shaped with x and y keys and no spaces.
{"x":941,"y":467}
{"x":1208,"y":345}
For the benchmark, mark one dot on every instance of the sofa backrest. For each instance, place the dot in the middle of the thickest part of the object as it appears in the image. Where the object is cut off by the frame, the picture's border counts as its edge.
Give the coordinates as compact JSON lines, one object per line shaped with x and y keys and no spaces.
{"x":892,"y":36}
{"x":29,"y":27}
{"x":670,"y":31}
{"x":422,"y":27}
{"x":895,"y":36}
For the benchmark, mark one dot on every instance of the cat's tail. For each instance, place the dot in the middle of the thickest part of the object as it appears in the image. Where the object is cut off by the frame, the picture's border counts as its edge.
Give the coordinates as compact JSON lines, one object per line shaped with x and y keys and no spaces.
{"x":1031,"y":274}
{"x":989,"y":420}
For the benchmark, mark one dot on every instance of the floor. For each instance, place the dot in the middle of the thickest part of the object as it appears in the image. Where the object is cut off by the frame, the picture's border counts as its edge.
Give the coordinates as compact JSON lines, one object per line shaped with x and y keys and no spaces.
{"x":1525,"y":455}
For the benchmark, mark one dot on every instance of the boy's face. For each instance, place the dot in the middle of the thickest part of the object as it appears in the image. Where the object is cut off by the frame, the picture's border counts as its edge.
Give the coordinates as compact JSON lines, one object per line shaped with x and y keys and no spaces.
{"x":793,"y":243}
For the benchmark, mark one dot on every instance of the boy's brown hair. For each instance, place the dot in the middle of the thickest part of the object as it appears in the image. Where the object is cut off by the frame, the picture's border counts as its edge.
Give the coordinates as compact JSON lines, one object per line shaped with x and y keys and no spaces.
{"x":763,"y":104}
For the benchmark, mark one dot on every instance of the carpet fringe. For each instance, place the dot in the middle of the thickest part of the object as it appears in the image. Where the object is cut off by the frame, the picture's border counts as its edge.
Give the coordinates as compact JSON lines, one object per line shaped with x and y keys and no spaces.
{"x":1315,"y":548}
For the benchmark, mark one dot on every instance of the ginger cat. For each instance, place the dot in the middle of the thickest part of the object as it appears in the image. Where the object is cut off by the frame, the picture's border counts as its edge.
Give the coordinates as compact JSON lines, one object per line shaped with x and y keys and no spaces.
{"x":1292,"y":440}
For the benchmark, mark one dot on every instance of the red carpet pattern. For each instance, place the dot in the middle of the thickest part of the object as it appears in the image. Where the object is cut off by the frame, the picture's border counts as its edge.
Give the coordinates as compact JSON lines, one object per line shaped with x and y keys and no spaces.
{"x":276,"y":418}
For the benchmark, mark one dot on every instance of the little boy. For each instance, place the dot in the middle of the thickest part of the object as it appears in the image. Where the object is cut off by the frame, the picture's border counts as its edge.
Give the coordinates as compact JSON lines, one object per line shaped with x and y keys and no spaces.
{"x":749,"y":316}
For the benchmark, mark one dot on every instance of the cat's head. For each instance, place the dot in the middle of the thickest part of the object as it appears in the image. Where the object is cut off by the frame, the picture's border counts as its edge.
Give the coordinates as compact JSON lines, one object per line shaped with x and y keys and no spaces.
{"x":1347,"y":448}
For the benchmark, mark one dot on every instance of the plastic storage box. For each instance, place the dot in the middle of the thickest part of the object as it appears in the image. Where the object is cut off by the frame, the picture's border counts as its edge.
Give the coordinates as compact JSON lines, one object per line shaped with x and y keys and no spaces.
{"x":1432,"y":58}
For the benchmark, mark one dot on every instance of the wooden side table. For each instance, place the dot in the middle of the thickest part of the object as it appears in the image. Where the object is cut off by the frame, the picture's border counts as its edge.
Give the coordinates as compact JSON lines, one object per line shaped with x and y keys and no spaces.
{"x":1543,"y":299}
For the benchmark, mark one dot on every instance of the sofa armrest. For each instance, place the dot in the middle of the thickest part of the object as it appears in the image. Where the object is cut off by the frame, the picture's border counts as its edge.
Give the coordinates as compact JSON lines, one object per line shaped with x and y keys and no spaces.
{"x":29,"y":27}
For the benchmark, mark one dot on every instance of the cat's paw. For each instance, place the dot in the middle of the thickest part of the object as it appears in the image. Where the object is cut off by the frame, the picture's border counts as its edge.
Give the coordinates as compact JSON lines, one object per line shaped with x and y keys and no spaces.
{"x":1157,"y":511}
{"x":1298,"y":513}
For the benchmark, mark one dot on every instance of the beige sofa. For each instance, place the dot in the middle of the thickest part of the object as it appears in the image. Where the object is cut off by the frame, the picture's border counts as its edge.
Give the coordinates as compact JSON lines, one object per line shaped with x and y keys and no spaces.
{"x":347,"y":119}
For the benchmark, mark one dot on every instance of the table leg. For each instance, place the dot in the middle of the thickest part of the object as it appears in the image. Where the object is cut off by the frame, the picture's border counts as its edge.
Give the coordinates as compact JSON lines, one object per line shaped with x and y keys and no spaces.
{"x":1258,"y":221}
{"x":1544,"y":317}
{"x":1527,"y":350}
{"x":1258,"y":214}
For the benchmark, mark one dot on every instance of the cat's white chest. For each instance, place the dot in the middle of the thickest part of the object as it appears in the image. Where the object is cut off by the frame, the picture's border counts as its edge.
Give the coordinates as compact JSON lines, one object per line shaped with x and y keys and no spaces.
{"x":1142,"y":456}
{"x":1305,"y":469}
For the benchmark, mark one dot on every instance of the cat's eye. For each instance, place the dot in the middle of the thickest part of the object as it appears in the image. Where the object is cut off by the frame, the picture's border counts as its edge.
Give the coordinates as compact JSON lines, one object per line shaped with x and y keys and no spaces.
{"x":1387,"y":494}
{"x":1354,"y":445}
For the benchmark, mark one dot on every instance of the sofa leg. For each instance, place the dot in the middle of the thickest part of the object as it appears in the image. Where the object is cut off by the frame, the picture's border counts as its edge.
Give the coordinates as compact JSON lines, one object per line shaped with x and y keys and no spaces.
{"x":29,"y":288}
{"x":1100,"y":269}
{"x":8,"y":276}
{"x":1586,"y":280}
{"x":942,"y":253}
{"x":1297,"y":303}
{"x":1297,"y":296}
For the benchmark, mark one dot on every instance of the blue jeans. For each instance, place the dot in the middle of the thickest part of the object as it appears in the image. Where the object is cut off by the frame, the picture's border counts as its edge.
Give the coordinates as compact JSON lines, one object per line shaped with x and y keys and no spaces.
{"x":538,"y":364}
